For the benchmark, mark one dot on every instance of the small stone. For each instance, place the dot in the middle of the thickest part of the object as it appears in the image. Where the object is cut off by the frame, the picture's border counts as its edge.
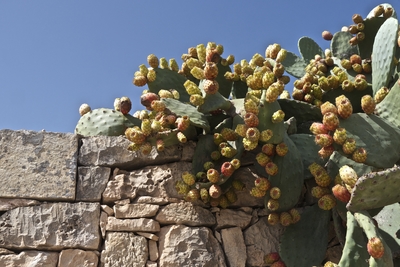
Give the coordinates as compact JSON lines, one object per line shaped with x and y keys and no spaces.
{"x":77,"y":257}
{"x":148,"y":235}
{"x":153,"y":250}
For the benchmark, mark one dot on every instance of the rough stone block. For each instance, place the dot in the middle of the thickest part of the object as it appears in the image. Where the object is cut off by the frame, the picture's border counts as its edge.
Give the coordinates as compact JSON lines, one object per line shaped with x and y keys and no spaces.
{"x":12,"y":203}
{"x":53,"y":226}
{"x":124,"y":249}
{"x":181,"y":245}
{"x":139,"y":210}
{"x":234,"y":247}
{"x":111,"y":151}
{"x":38,"y":165}
{"x":77,"y":257}
{"x":132,"y":225}
{"x":91,"y":183}
{"x":30,"y":259}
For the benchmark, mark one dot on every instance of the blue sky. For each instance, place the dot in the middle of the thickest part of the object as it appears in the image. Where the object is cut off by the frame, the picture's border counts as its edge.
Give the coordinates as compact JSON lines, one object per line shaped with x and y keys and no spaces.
{"x":56,"y":55}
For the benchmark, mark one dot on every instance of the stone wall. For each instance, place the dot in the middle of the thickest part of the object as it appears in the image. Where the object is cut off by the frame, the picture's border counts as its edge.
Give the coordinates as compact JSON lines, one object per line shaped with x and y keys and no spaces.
{"x":67,"y":201}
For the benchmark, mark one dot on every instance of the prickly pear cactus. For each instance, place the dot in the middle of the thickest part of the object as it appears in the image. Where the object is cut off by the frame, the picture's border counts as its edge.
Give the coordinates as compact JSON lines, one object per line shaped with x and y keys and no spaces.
{"x":328,"y":147}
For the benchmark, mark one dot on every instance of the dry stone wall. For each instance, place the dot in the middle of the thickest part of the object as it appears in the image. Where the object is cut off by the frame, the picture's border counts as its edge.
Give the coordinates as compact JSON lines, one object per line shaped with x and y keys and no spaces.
{"x":70,"y":201}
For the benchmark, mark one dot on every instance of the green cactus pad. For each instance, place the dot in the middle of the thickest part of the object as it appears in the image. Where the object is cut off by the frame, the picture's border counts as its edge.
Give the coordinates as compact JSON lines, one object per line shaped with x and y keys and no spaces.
{"x":214,"y":102}
{"x":305,"y":243}
{"x":264,"y":116}
{"x":301,"y":110}
{"x":371,"y":27}
{"x":309,"y":48}
{"x":340,"y":46}
{"x":294,"y":65}
{"x":377,"y":136}
{"x":389,"y":226}
{"x":309,"y":151}
{"x":202,"y":154}
{"x":168,"y":79}
{"x":289,"y":180}
{"x":104,"y":121}
{"x":225,"y":86}
{"x":239,"y":89}
{"x":376,"y":190}
{"x":337,"y":160}
{"x":196,"y":118}
{"x":384,"y":50}
{"x":339,"y":220}
{"x":389,"y":108}
{"x":367,"y":224}
{"x":355,"y":249}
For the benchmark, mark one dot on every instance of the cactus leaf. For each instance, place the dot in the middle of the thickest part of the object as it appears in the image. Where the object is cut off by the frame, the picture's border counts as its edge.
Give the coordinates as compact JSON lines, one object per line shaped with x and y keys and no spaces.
{"x":370,"y":188}
{"x":202,"y":154}
{"x":355,"y":249}
{"x":265,"y":113}
{"x":294,"y":65}
{"x":340,"y":46}
{"x":104,"y":121}
{"x":225,"y":86}
{"x":168,"y":79}
{"x":354,"y":96}
{"x":309,"y":151}
{"x":239,"y":89}
{"x":301,"y":110}
{"x":384,"y":50}
{"x":197,"y":118}
{"x":388,"y":220}
{"x":389,"y":108}
{"x":380,"y":139}
{"x":310,"y":234}
{"x":309,"y":48}
{"x":289,"y":180}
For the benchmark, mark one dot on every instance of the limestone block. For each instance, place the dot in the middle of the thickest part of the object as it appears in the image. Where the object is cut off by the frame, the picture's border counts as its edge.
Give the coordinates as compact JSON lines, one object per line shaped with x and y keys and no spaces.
{"x":148,"y":235}
{"x":151,"y":200}
{"x":103,"y":223}
{"x":91,"y":183}
{"x":124,"y":249}
{"x":77,"y":257}
{"x":180,"y":245}
{"x":38,"y":165}
{"x":152,"y":181}
{"x":132,"y":225}
{"x":185,"y":213}
{"x":153,"y":250}
{"x":11,"y":203}
{"x":31,"y":258}
{"x":135,"y":211}
{"x":52,"y":226}
{"x":111,"y":151}
{"x":234,"y":247}
{"x":107,"y":209}
{"x":230,"y":218}
{"x":261,"y":238}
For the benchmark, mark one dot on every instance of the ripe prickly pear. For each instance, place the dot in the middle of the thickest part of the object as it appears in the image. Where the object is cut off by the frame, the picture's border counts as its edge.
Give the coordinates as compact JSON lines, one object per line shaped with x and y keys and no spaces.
{"x":348,"y":175}
{"x":327,"y":202}
{"x":273,"y":204}
{"x":341,"y":193}
{"x":359,"y":155}
{"x":285,"y":218}
{"x":318,"y":128}
{"x":147,"y":98}
{"x":323,"y":140}
{"x":349,"y":146}
{"x":227,"y":169}
{"x":273,"y":218}
{"x":330,"y":121}
{"x":340,"y":136}
{"x":210,"y":86}
{"x":368,"y":104}
{"x":281,"y":149}
{"x":271,"y":258}
{"x":84,"y":108}
{"x":271,"y":168}
{"x":215,"y":191}
{"x":375,"y":247}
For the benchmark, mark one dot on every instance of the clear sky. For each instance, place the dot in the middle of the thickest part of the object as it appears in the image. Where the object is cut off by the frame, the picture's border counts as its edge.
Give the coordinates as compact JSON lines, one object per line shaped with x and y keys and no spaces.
{"x":56,"y":55}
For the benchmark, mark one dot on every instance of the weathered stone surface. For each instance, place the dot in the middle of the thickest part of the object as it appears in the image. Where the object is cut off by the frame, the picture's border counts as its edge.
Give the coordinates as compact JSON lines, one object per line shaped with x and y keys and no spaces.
{"x":11,"y":203}
{"x":234,"y":247}
{"x":261,"y":239}
{"x":151,"y":264}
{"x":107,"y":209}
{"x":132,"y":225}
{"x":124,"y":249}
{"x":148,"y":235}
{"x":230,"y":218}
{"x":188,"y":151}
{"x":181,"y":245}
{"x":185,"y":213}
{"x":52,"y":226}
{"x":153,"y":250}
{"x":4,"y":251}
{"x":135,"y":211}
{"x":151,"y":200}
{"x":246,"y":175}
{"x":38,"y":165}
{"x":77,"y":257}
{"x":120,"y":187}
{"x":30,"y":259}
{"x":152,"y":181}
{"x":91,"y":183}
{"x":103,"y":223}
{"x":111,"y":151}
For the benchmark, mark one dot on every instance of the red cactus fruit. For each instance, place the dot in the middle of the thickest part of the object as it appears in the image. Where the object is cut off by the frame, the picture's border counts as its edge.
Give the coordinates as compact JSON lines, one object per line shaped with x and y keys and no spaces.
{"x":341,"y":193}
{"x":147,"y":98}
{"x":330,"y":121}
{"x":271,"y":168}
{"x":251,"y":119}
{"x":375,"y":247}
{"x":227,"y":169}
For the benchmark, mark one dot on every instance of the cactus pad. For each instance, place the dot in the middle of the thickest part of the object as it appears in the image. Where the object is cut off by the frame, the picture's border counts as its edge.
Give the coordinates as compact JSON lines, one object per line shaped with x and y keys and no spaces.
{"x":389,"y":108}
{"x":301,"y":110}
{"x":340,"y":46}
{"x":309,"y":48}
{"x":105,"y":121}
{"x":304,"y":243}
{"x":294,"y":65}
{"x":388,"y":220}
{"x":376,"y":190}
{"x":168,"y":79}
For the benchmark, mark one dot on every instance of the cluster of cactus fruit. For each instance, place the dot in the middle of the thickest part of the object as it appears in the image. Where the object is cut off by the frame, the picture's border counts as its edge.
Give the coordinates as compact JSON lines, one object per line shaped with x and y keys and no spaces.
{"x":337,"y":139}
